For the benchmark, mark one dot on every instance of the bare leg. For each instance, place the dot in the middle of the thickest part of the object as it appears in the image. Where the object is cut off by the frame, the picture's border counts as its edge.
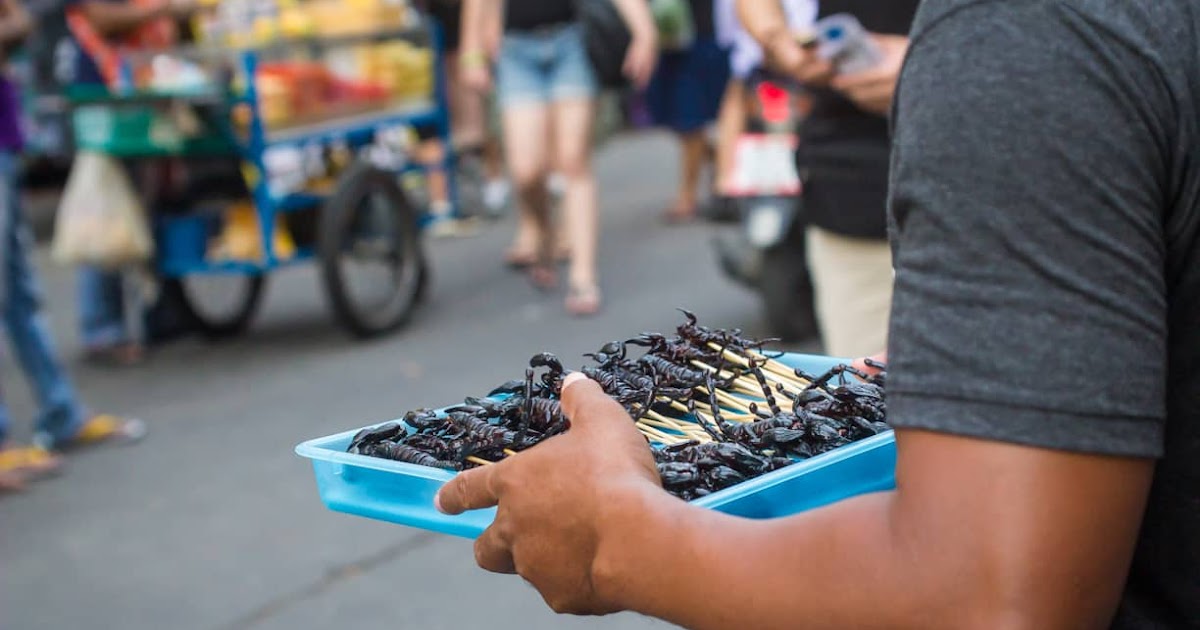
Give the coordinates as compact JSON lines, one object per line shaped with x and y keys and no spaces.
{"x":573,"y":152}
{"x":431,"y":153}
{"x":694,"y":146}
{"x":731,"y":121}
{"x":526,"y":152}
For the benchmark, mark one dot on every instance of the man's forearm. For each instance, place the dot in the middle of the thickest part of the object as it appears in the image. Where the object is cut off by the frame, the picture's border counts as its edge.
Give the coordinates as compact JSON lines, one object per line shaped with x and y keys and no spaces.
{"x":836,"y":567}
{"x":15,"y":25}
{"x":637,"y":17}
{"x":762,"y":19}
{"x":116,"y":18}
{"x":977,"y":534}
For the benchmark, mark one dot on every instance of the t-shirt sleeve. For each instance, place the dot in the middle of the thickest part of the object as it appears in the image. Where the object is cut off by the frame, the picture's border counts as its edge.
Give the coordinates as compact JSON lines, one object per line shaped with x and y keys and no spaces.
{"x":1027,"y":200}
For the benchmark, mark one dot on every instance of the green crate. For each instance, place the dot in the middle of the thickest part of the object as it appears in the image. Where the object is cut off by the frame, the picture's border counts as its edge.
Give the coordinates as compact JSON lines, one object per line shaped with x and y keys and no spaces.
{"x":140,"y":127}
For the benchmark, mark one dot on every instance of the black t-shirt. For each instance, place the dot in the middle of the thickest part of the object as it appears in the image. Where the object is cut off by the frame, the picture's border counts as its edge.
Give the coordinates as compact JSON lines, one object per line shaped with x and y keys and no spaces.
{"x":844,"y":150}
{"x":528,"y":15}
{"x":1046,"y":224}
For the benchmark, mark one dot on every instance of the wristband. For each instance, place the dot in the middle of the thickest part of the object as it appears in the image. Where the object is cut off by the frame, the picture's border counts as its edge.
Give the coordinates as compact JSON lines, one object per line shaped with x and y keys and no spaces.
{"x":472,"y":59}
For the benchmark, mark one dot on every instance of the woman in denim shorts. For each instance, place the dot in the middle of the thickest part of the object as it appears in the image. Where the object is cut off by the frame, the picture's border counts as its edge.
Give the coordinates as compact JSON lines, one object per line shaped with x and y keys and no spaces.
{"x":547,"y":92}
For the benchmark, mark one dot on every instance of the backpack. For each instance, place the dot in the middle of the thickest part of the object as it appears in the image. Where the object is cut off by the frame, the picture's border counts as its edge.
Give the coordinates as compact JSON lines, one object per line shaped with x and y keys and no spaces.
{"x":606,"y":38}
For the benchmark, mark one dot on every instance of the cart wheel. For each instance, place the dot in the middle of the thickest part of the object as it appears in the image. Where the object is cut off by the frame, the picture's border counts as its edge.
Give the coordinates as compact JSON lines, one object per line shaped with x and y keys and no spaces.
{"x":370,"y":252}
{"x":219,"y":306}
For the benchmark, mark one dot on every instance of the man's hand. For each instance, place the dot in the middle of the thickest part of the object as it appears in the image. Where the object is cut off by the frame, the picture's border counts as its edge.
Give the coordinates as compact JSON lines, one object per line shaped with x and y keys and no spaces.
{"x":877,"y":359}
{"x":785,"y":54}
{"x":558,"y":501}
{"x":872,"y":90}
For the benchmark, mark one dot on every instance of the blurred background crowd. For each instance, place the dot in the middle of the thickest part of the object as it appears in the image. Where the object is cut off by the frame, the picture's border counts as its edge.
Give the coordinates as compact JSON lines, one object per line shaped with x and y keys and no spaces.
{"x":621,"y":158}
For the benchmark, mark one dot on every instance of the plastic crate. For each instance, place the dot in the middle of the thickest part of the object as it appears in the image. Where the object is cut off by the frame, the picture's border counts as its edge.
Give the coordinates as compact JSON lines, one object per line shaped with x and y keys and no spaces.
{"x":403,"y":493}
{"x":140,"y":126}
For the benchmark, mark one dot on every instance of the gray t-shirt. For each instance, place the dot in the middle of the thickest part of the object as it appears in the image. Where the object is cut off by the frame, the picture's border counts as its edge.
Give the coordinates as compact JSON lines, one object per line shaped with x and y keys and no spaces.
{"x":1045,"y":215}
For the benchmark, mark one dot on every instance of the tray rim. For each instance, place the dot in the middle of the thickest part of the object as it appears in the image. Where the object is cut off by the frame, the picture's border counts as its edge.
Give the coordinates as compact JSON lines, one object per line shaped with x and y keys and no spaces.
{"x":312,"y":449}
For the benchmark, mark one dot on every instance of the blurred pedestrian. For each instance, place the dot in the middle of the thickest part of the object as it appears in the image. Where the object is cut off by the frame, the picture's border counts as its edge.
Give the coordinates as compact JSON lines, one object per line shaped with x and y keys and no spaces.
{"x":547,"y":92}
{"x":62,"y":422}
{"x":684,"y":96}
{"x":469,"y":109}
{"x":843,"y":159}
{"x":96,"y":26}
{"x":745,"y":56}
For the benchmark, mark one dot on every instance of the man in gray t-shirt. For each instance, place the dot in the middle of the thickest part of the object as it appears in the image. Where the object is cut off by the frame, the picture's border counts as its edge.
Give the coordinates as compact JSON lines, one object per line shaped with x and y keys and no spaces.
{"x":1046,"y":229}
{"x":1045,"y":367}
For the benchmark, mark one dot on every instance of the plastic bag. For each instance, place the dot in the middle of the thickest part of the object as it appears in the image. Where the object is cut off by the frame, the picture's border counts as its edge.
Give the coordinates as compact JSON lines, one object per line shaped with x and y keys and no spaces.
{"x":101,"y":221}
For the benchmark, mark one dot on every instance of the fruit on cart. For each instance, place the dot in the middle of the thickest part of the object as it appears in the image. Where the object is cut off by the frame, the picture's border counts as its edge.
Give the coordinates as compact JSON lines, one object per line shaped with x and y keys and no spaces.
{"x":241,"y":237}
{"x":708,"y":398}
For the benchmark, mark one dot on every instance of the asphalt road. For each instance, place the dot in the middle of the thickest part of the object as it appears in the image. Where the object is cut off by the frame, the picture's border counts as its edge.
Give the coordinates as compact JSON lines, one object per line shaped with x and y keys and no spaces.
{"x":213,"y":523}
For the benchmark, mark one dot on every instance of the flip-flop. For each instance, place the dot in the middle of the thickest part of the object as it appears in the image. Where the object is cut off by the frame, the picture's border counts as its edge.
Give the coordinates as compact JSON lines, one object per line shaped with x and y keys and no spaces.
{"x":678,"y":215}
{"x":519,"y":260}
{"x":22,"y":464}
{"x":544,"y":277}
{"x":583,"y":302}
{"x":126,"y":354}
{"x":99,"y":429}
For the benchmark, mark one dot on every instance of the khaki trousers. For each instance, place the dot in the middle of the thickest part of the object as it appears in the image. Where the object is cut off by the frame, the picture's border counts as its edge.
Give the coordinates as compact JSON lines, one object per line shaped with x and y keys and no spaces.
{"x":853,"y":281}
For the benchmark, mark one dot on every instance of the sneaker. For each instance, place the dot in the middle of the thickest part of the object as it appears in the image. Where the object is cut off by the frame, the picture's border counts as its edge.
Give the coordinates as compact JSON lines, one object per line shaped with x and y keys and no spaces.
{"x":449,"y":227}
{"x":99,"y":429}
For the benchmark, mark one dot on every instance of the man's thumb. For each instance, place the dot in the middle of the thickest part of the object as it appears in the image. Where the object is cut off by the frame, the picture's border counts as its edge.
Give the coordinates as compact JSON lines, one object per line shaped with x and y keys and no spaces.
{"x":582,"y":398}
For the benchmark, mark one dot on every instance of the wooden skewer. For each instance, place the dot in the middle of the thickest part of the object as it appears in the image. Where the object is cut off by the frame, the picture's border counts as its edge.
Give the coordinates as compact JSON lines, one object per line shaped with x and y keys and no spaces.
{"x":509,"y":452}
{"x":768,"y":364}
{"x":479,"y":460}
{"x":750,"y":385}
{"x":659,"y":436}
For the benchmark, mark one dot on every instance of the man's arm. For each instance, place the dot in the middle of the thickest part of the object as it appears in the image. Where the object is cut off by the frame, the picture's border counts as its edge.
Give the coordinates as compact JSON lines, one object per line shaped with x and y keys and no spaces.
{"x":117,"y":18}
{"x":15,"y":23}
{"x":978,"y":535}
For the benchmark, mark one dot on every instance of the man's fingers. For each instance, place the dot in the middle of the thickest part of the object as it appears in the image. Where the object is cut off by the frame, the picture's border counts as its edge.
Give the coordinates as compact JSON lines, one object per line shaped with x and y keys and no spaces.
{"x":860,"y":79}
{"x":878,"y":359}
{"x":493,"y":552}
{"x":584,"y":401}
{"x":469,"y":490}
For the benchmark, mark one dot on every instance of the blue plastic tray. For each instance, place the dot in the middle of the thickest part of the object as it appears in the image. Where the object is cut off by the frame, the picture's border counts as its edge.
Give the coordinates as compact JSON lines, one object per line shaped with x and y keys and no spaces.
{"x":403,"y":493}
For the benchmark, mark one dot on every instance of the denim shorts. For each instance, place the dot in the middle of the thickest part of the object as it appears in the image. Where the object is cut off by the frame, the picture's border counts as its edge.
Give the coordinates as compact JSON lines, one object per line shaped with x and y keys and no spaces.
{"x":544,"y":66}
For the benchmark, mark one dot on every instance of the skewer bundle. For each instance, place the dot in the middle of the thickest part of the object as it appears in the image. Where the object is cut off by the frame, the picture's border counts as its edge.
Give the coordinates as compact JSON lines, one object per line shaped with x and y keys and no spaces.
{"x":717,"y":407}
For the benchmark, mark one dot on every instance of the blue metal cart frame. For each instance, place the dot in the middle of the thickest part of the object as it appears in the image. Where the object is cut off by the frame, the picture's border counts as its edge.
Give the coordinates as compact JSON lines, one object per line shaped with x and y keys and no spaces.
{"x":181,"y":239}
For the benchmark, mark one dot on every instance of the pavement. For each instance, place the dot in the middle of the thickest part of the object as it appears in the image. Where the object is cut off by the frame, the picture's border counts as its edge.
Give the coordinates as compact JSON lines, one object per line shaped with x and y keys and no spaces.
{"x":214,"y":524}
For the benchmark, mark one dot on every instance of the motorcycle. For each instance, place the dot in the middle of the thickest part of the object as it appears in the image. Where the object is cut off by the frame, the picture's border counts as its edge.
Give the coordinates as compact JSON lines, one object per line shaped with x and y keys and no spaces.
{"x":764,"y":249}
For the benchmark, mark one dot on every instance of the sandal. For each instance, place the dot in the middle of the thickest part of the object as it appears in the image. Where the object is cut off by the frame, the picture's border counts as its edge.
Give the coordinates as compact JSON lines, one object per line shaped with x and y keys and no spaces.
{"x":680,"y":214}
{"x":99,"y":429}
{"x":518,"y":260}
{"x":22,"y":464}
{"x":544,"y":277}
{"x":125,"y":354}
{"x":583,"y":302}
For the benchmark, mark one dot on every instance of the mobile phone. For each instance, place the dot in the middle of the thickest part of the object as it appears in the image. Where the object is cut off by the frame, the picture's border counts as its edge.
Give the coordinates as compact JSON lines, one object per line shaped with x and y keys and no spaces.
{"x":843,"y":41}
